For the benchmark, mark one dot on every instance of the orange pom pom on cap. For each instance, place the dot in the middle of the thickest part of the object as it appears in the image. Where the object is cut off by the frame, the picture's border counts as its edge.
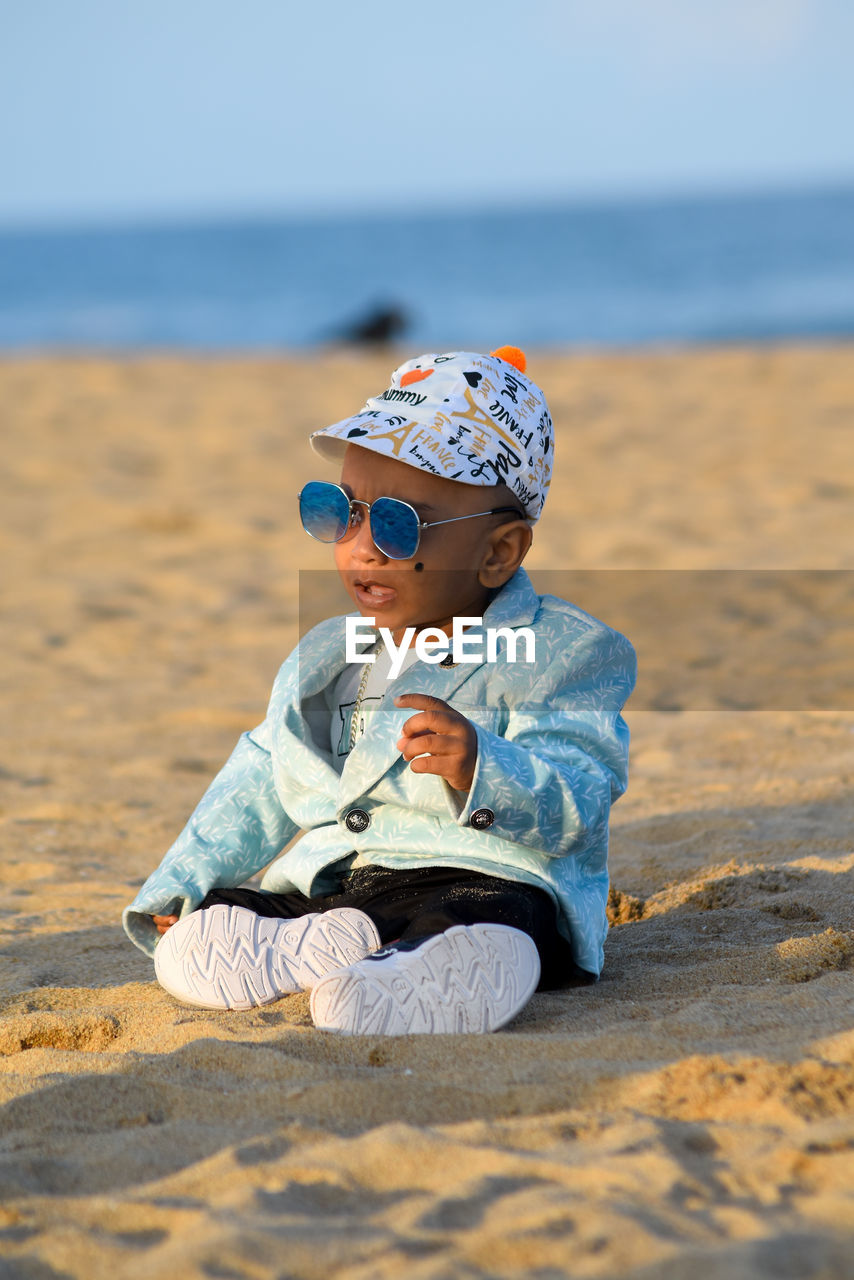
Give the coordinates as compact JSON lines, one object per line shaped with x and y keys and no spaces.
{"x":513,"y":355}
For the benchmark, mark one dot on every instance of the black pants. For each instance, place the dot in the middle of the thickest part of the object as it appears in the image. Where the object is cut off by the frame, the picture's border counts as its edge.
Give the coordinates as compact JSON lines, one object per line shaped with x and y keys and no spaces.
{"x":412,"y":904}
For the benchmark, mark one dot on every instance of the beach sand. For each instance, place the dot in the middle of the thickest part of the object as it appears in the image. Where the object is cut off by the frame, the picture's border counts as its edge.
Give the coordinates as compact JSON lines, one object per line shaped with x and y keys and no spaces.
{"x":691,"y":1115}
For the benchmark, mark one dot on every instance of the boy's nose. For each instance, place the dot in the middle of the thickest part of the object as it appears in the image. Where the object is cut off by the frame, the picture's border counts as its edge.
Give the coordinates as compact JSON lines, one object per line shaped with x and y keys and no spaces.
{"x":362,"y":546}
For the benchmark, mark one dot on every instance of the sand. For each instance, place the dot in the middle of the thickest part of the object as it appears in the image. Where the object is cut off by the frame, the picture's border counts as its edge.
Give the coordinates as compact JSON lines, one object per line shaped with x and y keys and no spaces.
{"x":692,"y":1114}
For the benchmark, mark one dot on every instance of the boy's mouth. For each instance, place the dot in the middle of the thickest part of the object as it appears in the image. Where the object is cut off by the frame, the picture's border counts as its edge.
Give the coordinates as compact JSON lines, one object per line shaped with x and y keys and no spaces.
{"x":373,"y":594}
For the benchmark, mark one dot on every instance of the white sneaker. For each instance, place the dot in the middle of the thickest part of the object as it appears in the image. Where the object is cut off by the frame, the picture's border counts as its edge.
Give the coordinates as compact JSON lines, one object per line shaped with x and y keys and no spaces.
{"x":470,"y":978}
{"x":227,"y":957}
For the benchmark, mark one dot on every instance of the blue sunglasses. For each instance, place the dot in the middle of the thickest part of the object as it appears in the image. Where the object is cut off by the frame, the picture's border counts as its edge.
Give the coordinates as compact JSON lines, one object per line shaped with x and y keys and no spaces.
{"x":329,"y":515}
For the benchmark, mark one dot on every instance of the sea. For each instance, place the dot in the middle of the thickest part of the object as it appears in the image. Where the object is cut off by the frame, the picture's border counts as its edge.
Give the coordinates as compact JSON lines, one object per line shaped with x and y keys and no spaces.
{"x":710,"y":269}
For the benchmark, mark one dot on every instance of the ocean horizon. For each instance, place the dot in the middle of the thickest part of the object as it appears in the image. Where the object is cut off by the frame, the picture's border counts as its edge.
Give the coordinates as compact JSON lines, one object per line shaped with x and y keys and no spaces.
{"x":699,"y":269}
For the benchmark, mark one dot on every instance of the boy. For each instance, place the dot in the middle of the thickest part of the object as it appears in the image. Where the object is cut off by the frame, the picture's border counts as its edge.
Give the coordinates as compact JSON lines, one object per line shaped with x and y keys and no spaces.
{"x":454,"y":852}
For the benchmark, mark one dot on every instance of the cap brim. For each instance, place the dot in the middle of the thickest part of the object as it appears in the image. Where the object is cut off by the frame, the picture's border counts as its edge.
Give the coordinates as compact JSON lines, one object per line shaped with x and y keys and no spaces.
{"x":331,"y":442}
{"x":330,"y":448}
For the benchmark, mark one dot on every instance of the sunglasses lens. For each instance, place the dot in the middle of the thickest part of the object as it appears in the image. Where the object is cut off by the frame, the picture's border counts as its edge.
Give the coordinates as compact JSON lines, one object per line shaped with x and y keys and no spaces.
{"x":394,"y":528}
{"x":324,"y":511}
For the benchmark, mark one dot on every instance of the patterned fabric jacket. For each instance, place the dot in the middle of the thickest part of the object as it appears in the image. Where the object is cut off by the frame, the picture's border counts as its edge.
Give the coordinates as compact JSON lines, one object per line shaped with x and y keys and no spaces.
{"x":552,"y":757}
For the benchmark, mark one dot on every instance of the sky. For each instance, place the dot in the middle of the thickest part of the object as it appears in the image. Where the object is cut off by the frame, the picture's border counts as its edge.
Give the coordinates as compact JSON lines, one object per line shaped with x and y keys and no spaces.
{"x":171,"y":109}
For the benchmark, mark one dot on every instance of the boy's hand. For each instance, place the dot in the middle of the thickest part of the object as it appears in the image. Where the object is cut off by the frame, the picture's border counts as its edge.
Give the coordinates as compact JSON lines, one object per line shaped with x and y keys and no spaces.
{"x":164,"y":922}
{"x":448,"y":738}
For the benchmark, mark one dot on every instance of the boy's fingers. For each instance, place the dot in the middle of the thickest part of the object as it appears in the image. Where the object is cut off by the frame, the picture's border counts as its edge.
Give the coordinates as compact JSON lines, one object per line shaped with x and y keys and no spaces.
{"x":436,"y":764}
{"x":163,"y":923}
{"x":421,"y":702}
{"x":429,"y":764}
{"x":429,"y":722}
{"x":436,"y":744}
{"x":432,"y":714}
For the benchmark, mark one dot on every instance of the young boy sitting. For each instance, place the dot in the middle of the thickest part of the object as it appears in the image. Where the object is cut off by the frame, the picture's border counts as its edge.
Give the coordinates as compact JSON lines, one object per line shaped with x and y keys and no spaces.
{"x":455,"y":825}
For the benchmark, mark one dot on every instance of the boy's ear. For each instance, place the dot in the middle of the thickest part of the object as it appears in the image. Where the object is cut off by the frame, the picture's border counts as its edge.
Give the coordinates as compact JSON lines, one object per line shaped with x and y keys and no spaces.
{"x":506,"y":548}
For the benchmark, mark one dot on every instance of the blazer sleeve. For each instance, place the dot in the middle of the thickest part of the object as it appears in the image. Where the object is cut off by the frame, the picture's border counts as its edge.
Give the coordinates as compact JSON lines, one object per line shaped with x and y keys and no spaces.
{"x":237,"y":827}
{"x":550,"y":779}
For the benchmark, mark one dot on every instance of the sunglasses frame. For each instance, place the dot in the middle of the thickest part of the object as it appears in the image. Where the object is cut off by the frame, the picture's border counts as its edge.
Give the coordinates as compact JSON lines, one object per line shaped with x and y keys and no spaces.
{"x":420,"y":524}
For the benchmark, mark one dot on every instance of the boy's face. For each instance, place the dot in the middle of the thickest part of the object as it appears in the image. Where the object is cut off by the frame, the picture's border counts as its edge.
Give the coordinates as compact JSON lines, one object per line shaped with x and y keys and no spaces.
{"x":456,"y":557}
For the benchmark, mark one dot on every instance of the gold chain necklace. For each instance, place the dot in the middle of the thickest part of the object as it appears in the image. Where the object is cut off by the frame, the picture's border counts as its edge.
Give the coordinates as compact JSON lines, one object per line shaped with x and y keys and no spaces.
{"x":360,"y":694}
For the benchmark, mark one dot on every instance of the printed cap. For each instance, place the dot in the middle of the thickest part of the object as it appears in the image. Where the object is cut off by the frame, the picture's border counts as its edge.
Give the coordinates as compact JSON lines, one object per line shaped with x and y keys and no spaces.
{"x":473,"y":418}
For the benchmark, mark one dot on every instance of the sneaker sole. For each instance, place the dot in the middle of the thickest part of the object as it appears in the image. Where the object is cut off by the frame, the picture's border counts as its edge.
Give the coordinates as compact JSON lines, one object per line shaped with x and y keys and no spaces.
{"x":227,"y":957}
{"x":472,"y":978}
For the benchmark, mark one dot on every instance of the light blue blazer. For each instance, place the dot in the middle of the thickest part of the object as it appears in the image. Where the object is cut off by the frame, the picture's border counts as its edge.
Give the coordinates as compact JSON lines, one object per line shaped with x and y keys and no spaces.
{"x":552,"y":757}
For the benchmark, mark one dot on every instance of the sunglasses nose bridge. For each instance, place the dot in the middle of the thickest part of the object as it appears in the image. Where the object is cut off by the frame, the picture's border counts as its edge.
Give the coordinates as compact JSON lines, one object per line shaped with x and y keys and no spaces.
{"x":361,"y":533}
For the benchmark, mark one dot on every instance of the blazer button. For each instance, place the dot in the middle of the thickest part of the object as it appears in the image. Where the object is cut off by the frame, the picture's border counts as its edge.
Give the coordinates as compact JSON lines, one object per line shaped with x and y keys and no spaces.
{"x":357,"y":820}
{"x":482,"y":818}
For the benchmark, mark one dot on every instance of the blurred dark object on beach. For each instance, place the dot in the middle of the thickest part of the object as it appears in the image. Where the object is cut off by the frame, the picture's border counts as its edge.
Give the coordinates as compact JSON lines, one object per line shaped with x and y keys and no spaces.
{"x":378,"y":327}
